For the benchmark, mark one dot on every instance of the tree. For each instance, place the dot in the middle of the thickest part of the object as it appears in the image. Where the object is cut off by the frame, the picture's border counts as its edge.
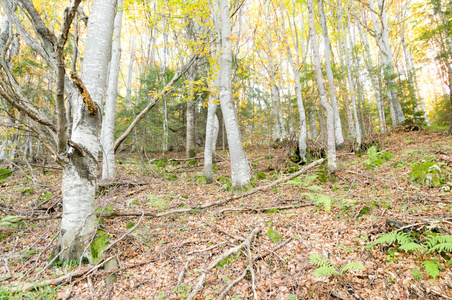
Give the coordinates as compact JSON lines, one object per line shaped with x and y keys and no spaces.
{"x":76,"y":153}
{"x":331,"y":144}
{"x":240,"y":170}
{"x":108,"y":121}
{"x":382,"y":39}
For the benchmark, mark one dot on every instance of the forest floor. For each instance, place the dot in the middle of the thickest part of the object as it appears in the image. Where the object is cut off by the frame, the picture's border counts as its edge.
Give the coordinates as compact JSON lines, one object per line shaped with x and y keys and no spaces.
{"x":287,"y":230}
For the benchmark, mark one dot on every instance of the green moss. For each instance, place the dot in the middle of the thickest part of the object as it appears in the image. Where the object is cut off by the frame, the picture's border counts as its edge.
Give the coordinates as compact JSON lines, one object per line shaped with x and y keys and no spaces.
{"x":100,"y":242}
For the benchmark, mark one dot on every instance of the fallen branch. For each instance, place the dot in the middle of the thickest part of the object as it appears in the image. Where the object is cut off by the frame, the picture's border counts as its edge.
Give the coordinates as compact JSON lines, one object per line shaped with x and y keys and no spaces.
{"x":185,"y":159}
{"x":182,"y":273}
{"x":260,"y":256}
{"x":296,"y":205}
{"x":193,"y":208}
{"x":23,"y":287}
{"x":219,"y":259}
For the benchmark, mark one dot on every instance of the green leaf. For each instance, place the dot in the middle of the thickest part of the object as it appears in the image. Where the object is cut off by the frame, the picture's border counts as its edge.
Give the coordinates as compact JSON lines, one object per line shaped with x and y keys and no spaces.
{"x":273,"y":235}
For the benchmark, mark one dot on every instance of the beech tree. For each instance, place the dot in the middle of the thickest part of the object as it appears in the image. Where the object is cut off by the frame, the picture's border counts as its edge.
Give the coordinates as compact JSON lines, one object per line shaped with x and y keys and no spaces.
{"x":331,"y":140}
{"x":108,"y":121}
{"x":240,"y":170}
{"x":76,"y":153}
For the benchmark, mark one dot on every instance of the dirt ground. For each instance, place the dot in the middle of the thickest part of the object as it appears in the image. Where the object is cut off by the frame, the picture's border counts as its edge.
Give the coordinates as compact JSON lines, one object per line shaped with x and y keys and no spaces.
{"x":272,"y":234}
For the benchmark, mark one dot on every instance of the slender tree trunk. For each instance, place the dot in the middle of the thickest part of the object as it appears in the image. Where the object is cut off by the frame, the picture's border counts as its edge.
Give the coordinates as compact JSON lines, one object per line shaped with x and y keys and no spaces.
{"x":331,"y":140}
{"x":352,"y":83}
{"x":211,"y":125}
{"x":240,"y":170}
{"x":330,"y":76}
{"x":78,"y":225}
{"x":382,"y":39}
{"x":108,"y":121}
{"x":374,"y":80}
{"x":296,"y":72}
{"x":312,"y":124}
{"x":191,"y":106}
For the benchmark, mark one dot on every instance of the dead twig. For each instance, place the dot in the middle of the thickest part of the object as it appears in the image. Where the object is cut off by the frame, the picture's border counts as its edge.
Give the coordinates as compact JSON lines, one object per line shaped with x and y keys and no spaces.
{"x":125,"y":234}
{"x":263,"y":209}
{"x":23,"y":287}
{"x":219,"y":259}
{"x":182,"y":273}
{"x":250,"y":267}
{"x":258,"y":257}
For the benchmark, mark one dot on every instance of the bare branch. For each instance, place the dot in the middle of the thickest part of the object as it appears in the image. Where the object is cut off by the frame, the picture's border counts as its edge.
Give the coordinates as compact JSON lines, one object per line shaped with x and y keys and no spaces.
{"x":168,"y":88}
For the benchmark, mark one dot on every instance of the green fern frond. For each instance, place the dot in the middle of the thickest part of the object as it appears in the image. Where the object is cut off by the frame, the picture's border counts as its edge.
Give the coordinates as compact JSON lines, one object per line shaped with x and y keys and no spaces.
{"x":387,"y":238}
{"x":352,"y":266}
{"x":412,"y":247}
{"x":438,"y":239}
{"x":442,"y":247}
{"x":431,"y":268}
{"x":319,"y":261}
{"x":325,"y":271}
{"x":391,"y":237}
{"x":326,"y":201}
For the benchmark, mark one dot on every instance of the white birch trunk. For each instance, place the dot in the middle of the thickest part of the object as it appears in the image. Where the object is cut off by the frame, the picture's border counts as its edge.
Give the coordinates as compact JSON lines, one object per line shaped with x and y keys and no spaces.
{"x":374,"y":80}
{"x":240,"y":170}
{"x":78,"y":225}
{"x":296,"y":72}
{"x":382,"y":38}
{"x":331,"y":139}
{"x":330,"y":76}
{"x":108,"y":121}
{"x":190,"y":133}
{"x":351,"y":83}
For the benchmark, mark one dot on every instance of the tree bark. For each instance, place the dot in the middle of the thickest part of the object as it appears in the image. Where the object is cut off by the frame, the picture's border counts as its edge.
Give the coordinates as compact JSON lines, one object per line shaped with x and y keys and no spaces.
{"x":78,"y":225}
{"x":331,"y":139}
{"x":211,"y":126}
{"x":330,"y":76}
{"x":382,"y":39}
{"x":108,"y":122}
{"x":191,"y":112}
{"x":240,"y":170}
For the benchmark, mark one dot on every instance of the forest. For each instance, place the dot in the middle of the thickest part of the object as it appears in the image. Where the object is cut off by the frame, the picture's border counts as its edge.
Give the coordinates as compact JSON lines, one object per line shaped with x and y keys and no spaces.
{"x":226,"y":149}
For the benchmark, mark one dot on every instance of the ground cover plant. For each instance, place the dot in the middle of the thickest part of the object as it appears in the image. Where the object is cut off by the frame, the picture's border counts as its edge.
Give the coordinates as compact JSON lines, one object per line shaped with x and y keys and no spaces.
{"x":369,"y":233}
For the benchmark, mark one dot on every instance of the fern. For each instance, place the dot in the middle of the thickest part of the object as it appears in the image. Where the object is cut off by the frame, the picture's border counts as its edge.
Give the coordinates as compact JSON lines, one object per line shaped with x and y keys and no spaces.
{"x":431,"y":268}
{"x":442,"y":247}
{"x":412,"y":247}
{"x":432,"y":241}
{"x":352,"y":266}
{"x":391,"y":237}
{"x":326,"y":201}
{"x":324,"y":266}
{"x":319,"y":261}
{"x":325,"y":271}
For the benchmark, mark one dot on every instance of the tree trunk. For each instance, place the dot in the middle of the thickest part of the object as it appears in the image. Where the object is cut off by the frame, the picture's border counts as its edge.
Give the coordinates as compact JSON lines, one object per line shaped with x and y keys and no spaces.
{"x":190,"y":142}
{"x":382,"y":39}
{"x":240,"y":170}
{"x":296,"y":72}
{"x":331,"y":139}
{"x":108,"y":121}
{"x":78,"y":225}
{"x":374,"y":80}
{"x":330,"y":76}
{"x":211,"y":126}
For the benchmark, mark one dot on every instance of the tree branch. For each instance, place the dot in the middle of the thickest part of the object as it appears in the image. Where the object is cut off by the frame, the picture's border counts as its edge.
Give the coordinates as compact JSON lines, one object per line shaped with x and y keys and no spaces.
{"x":168,"y":88}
